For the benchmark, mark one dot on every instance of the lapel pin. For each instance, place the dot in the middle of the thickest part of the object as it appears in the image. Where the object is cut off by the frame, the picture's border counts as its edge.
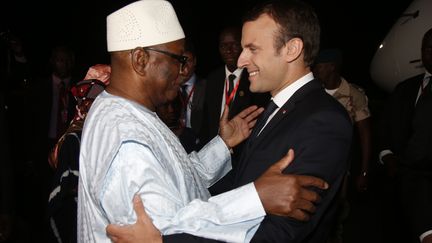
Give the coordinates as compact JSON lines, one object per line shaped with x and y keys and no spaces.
{"x":241,"y":93}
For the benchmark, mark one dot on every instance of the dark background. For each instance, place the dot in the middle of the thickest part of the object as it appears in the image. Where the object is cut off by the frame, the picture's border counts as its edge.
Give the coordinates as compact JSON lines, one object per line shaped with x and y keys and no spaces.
{"x":357,"y":27}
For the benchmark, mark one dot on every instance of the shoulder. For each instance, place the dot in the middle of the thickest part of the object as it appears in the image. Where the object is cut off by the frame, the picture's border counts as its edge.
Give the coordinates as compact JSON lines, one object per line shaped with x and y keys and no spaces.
{"x":356,"y":89}
{"x":410,"y":82}
{"x":317,"y":101}
{"x":119,"y":117}
{"x":358,"y":93}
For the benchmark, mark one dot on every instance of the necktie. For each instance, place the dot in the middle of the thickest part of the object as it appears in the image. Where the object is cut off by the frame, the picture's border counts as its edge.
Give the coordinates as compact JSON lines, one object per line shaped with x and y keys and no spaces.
{"x":262,"y":120}
{"x":425,"y":90}
{"x":184,"y":91}
{"x":231,"y":78}
{"x":184,"y":102}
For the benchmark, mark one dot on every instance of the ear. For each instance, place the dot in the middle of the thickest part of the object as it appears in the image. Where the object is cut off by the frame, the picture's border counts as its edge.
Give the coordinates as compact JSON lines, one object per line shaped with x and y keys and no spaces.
{"x":139,"y":58}
{"x":190,"y":63}
{"x":294,"y":48}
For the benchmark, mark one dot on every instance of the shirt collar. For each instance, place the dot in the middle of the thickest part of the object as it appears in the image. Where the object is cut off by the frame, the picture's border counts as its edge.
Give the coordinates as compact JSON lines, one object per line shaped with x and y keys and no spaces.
{"x":281,"y":98}
{"x":191,"y":81}
{"x":427,"y":75}
{"x":237,"y":72}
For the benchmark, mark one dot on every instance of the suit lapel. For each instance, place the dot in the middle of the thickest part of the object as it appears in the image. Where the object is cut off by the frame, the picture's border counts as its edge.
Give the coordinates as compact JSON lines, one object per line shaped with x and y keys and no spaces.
{"x":286,"y":109}
{"x":214,"y":94}
{"x":197,"y":102}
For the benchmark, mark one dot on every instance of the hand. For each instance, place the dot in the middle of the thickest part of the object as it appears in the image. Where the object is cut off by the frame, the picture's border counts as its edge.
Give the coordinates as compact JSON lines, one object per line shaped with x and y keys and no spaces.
{"x":362,"y":182}
{"x":239,"y":128}
{"x":286,"y":195}
{"x":143,"y":231}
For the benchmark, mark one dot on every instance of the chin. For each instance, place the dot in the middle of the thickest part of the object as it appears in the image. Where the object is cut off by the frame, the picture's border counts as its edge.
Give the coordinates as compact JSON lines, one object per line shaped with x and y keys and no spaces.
{"x":254,"y":89}
{"x":172,"y":95}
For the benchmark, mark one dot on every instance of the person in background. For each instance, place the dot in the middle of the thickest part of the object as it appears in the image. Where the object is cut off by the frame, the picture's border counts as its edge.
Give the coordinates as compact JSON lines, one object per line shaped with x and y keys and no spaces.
{"x":64,"y":158}
{"x":171,"y":114}
{"x":228,"y":85}
{"x":127,"y":150}
{"x":193,"y":91}
{"x":327,"y":69}
{"x":406,"y":145}
{"x":7,"y":197}
{"x":184,"y":115}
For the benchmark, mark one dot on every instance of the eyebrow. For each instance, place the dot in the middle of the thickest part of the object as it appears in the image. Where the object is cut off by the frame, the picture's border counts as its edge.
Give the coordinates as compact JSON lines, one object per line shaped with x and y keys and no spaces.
{"x":251,"y":45}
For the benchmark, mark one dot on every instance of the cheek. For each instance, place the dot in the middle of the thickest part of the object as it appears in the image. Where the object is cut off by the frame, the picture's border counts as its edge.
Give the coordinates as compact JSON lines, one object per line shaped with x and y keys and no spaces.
{"x":167,"y":77}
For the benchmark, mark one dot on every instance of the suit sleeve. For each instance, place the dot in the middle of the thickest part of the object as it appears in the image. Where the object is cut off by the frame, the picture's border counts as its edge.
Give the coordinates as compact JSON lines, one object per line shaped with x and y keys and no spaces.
{"x":321,"y":146}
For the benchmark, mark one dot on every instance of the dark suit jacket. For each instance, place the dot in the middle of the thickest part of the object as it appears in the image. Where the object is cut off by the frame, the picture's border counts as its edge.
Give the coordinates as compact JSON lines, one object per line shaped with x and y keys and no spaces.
{"x":319,"y":130}
{"x":42,"y":93}
{"x":6,"y":166}
{"x":197,"y":108}
{"x":213,"y":100}
{"x":395,"y":123}
{"x":406,"y":130}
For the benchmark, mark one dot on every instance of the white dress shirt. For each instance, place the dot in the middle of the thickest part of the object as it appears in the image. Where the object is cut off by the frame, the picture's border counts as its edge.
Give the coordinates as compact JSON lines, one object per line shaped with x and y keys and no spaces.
{"x":283,"y":96}
{"x":238,"y":72}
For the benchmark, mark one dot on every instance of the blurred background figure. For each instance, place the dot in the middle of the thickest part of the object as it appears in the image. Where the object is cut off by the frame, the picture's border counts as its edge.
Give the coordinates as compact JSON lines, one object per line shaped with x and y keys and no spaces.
{"x":18,"y":170}
{"x":60,"y":105}
{"x":16,"y":67}
{"x":327,"y":69}
{"x":171,"y":114}
{"x":7,"y":209}
{"x":62,"y":202}
{"x":17,"y":75}
{"x":228,"y":85}
{"x":183,"y":115}
{"x":52,"y":110}
{"x":406,"y":153}
{"x":192,"y":96}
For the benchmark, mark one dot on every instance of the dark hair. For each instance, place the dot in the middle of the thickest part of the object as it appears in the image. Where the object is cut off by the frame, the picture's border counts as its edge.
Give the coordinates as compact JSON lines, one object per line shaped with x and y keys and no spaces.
{"x":427,"y":36}
{"x":236,"y":30}
{"x":295,"y":20}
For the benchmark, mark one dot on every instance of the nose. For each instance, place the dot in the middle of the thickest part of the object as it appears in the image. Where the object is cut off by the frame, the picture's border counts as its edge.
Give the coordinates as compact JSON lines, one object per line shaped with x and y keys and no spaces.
{"x":242,"y":60}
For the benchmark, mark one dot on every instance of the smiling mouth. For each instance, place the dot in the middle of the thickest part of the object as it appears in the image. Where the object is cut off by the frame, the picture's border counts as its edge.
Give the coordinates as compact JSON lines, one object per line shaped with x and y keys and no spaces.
{"x":253,"y":73}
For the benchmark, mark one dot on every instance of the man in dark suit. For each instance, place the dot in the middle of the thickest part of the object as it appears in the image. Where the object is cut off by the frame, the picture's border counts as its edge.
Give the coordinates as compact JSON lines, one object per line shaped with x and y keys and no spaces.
{"x":193,"y":96}
{"x":305,"y":117}
{"x":280,"y":41}
{"x":54,"y":103}
{"x":54,"y":107}
{"x":406,"y":153}
{"x":227,"y":85}
{"x":6,"y":178}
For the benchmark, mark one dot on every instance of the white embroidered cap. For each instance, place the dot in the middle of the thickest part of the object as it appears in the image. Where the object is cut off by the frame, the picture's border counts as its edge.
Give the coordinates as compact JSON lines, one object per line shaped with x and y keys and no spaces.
{"x":142,"y":23}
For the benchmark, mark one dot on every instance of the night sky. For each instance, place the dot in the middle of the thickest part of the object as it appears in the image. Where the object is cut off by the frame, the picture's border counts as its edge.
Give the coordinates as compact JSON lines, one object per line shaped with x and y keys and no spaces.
{"x":357,"y":27}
